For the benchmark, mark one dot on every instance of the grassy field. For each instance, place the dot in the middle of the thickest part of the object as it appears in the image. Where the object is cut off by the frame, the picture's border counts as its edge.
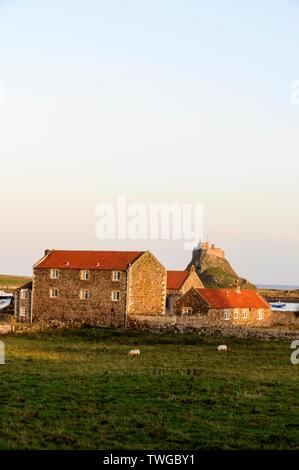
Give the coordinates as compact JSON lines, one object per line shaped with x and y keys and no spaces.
{"x":78,"y":389}
{"x":215,"y":277}
{"x":9,"y":283}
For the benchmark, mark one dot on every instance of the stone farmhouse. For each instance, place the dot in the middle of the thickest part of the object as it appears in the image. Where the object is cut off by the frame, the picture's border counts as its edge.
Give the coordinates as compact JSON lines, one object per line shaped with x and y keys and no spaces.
{"x":101,"y":287}
{"x":179,"y":282}
{"x":225,"y":307}
{"x":124,"y":288}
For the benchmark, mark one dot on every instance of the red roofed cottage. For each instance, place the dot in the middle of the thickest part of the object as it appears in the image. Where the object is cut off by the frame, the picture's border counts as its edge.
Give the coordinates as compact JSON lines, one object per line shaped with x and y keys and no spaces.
{"x":221,"y":307}
{"x":99,"y":287}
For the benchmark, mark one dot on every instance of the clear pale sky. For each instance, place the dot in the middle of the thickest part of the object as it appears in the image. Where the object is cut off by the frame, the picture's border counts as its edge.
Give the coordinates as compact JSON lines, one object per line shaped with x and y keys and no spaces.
{"x":161,"y":101}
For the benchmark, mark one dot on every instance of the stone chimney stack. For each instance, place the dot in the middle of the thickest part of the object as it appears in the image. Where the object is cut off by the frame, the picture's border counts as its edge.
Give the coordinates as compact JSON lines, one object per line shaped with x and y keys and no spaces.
{"x":237,"y":286}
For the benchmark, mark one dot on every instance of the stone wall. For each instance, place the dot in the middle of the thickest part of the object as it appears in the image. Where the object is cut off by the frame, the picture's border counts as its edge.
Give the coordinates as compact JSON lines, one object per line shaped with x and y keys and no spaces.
{"x":20,"y":303}
{"x":146,"y":286}
{"x":285,"y":318}
{"x":6,"y":329}
{"x":192,"y":281}
{"x":98,"y":309}
{"x":175,"y":324}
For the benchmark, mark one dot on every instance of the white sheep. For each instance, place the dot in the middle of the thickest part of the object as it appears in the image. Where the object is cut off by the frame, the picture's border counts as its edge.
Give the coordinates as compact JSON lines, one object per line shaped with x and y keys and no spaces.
{"x":134,"y":352}
{"x":222,"y":347}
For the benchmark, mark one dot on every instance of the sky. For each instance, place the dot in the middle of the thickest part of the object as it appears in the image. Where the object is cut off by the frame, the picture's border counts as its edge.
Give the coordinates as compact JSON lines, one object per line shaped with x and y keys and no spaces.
{"x":161,"y":101}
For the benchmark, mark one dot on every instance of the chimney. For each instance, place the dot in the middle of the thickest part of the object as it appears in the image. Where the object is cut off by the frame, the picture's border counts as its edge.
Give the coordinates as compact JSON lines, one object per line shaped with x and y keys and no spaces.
{"x":237,"y":286}
{"x":47,"y":252}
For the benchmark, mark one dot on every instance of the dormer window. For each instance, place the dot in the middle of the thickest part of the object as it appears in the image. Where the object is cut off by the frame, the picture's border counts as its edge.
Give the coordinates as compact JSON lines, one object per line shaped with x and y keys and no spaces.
{"x":85,"y":275}
{"x":116,"y":276}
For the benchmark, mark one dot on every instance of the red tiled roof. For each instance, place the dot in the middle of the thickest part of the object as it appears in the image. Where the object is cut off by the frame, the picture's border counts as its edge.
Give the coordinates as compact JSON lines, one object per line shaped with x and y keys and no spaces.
{"x":89,"y":259}
{"x":175,"y":279}
{"x":230,"y":298}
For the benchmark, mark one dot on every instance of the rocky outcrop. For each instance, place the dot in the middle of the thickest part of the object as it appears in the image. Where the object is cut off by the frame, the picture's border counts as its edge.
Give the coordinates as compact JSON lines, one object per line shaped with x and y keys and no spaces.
{"x":213,"y":268}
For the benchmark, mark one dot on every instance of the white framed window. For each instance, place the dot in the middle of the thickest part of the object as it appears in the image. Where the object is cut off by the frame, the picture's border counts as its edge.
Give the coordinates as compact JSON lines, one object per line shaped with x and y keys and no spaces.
{"x":116,"y":276}
{"x":84,"y":294}
{"x":24,"y":294}
{"x":226,"y":315}
{"x":24,"y":312}
{"x":53,"y":293}
{"x":260,"y":314}
{"x":187,"y":311}
{"x":115,"y":295}
{"x":85,"y":275}
{"x":244,"y":314}
{"x":54,"y":273}
{"x":236,"y":312}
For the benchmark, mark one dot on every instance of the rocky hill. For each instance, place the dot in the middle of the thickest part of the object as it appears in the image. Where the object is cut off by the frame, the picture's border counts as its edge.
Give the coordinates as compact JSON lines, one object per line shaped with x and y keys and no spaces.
{"x":213,"y":268}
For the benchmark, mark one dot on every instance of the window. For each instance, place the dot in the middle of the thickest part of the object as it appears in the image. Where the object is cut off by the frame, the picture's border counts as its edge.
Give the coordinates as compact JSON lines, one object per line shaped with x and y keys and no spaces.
{"x":236,"y":314}
{"x":116,"y":276}
{"x":24,"y":312}
{"x":53,"y":293}
{"x":260,"y":314}
{"x":226,"y":315}
{"x":54,"y":273}
{"x":115,"y":295}
{"x":84,"y":294}
{"x":244,"y":314}
{"x":187,"y":311}
{"x":85,"y":275}
{"x":24,"y":293}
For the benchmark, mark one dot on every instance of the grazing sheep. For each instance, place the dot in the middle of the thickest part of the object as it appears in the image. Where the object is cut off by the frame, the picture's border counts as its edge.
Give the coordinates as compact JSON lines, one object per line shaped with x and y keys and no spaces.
{"x":134,"y":352}
{"x":222,"y":347}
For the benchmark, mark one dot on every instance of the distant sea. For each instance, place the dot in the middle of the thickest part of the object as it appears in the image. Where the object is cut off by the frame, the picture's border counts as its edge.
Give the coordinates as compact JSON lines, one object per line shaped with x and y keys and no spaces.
{"x":277,"y":286}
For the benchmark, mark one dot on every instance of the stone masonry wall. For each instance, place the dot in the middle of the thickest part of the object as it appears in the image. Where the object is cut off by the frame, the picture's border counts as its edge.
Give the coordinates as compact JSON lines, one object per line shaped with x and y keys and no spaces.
{"x":168,"y":324}
{"x":146,"y":286}
{"x":191,"y":281}
{"x":20,"y":304}
{"x":191,"y":300}
{"x":285,"y":318}
{"x":98,"y":309}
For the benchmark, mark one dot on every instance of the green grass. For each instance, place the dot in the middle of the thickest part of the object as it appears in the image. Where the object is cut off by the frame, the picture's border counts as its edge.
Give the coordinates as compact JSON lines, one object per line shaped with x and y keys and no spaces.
{"x":9,"y":283}
{"x":216,"y":277}
{"x":78,"y":389}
